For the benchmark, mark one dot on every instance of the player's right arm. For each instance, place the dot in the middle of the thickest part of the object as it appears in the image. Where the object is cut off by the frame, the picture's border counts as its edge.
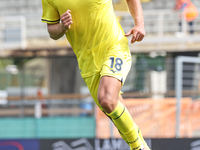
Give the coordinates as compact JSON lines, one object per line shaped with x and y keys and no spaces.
{"x":57,"y":30}
{"x":138,"y":31}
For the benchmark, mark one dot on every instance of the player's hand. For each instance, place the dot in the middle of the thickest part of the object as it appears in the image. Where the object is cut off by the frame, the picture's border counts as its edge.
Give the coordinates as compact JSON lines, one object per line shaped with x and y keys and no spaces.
{"x":138,"y":33}
{"x":66,"y":20}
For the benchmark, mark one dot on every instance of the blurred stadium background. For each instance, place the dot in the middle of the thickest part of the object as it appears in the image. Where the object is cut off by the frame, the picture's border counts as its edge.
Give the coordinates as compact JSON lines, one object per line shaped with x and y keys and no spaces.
{"x":43,"y":98}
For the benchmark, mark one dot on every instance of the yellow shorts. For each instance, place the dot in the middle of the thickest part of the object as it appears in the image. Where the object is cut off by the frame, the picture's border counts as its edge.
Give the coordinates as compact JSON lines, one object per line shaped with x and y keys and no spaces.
{"x":117,"y":66}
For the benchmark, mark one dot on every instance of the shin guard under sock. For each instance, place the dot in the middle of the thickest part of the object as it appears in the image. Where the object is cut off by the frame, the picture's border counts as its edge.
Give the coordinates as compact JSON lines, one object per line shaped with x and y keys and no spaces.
{"x":124,"y":122}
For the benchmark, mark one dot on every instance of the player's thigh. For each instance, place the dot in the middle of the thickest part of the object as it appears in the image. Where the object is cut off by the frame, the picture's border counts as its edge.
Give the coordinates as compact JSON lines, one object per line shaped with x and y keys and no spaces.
{"x":109,"y":88}
{"x":115,"y":67}
{"x":93,"y":84}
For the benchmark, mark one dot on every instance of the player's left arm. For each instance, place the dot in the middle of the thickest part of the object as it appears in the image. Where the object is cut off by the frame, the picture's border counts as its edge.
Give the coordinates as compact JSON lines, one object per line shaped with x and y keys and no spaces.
{"x":138,"y":31}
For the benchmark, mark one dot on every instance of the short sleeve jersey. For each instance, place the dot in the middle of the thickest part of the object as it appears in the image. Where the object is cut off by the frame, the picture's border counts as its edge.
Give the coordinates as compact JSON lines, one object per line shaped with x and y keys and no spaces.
{"x":94,"y":32}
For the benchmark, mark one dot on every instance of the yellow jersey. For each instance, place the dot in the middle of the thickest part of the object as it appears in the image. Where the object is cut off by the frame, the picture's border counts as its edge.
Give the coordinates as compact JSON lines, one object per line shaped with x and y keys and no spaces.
{"x":94,"y":33}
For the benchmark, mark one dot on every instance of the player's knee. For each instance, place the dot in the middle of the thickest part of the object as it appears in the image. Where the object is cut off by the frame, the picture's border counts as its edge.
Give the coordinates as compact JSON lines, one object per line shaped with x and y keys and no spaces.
{"x":107,"y":103}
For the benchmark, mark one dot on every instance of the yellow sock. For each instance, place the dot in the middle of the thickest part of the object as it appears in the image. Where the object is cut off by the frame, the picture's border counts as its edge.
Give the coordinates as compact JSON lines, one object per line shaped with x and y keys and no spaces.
{"x":118,"y":130}
{"x":141,"y":138}
{"x":124,"y":122}
{"x":123,"y":137}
